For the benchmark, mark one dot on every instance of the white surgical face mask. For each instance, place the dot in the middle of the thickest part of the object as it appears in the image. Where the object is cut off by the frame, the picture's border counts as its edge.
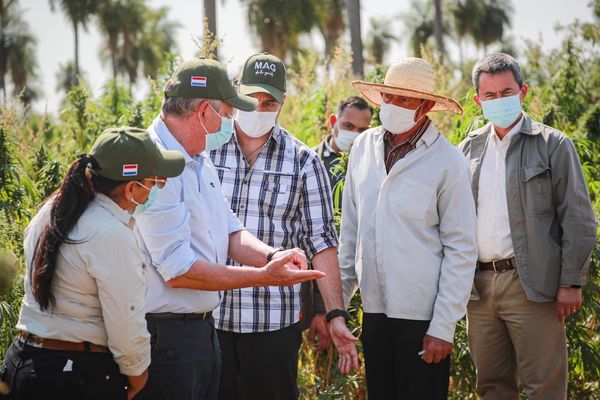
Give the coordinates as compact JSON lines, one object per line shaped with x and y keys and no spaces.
{"x":256,"y":123}
{"x":344,"y":139}
{"x":396,"y":119}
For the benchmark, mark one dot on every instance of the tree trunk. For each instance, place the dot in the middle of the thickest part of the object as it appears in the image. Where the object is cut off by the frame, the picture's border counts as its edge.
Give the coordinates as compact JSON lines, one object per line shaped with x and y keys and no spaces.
{"x":353,"y":9}
{"x":438,"y":29}
{"x":75,"y":78}
{"x":210,"y":13}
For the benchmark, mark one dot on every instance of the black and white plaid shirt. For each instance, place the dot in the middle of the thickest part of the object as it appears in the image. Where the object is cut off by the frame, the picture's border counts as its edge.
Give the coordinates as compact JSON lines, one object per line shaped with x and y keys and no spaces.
{"x":285,"y":201}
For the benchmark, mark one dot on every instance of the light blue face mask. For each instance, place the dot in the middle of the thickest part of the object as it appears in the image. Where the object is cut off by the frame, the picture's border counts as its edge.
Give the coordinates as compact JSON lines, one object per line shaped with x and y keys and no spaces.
{"x":502,"y":112}
{"x":219,"y":138}
{"x":141,"y":208}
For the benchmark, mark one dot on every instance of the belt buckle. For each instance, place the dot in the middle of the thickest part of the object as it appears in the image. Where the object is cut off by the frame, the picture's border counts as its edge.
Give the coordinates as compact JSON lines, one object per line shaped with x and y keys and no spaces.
{"x":494,"y":265}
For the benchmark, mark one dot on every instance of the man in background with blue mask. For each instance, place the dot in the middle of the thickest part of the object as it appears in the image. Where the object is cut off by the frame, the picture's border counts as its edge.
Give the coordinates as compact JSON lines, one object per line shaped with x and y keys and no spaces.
{"x":535,"y":233}
{"x":279,"y":188}
{"x":189,"y":231}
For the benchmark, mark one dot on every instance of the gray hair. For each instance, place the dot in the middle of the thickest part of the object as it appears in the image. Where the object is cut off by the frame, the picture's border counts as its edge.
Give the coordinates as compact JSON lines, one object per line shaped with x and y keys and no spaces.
{"x":494,"y":64}
{"x":182,"y":107}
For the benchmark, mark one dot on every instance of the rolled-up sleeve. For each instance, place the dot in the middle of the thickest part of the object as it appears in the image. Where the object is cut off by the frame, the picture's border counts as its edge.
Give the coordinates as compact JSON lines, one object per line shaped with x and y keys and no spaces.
{"x":165,"y":231}
{"x":316,"y":208}
{"x":117,"y":268}
{"x":456,"y":208}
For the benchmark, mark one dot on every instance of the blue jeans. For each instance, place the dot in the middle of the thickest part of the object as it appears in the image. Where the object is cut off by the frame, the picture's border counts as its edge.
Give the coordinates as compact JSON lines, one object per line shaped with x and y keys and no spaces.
{"x":185,"y":362}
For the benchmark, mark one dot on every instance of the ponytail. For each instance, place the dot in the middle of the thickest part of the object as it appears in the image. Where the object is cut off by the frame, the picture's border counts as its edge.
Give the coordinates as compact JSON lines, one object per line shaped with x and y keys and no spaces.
{"x":70,"y":201}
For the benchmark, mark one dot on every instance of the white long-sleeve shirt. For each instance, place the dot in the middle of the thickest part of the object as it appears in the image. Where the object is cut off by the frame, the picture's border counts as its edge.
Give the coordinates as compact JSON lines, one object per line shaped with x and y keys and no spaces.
{"x":408,"y":237}
{"x":99,"y":286}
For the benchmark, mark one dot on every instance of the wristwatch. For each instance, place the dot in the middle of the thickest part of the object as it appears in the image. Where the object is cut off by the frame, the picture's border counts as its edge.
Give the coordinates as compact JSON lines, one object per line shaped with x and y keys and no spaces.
{"x":271,"y":254}
{"x":337,"y":313}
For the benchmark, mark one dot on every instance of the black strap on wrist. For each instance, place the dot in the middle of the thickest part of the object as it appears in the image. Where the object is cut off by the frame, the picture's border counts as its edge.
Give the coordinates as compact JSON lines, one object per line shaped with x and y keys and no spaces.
{"x":337,"y":313}
{"x":271,"y":254}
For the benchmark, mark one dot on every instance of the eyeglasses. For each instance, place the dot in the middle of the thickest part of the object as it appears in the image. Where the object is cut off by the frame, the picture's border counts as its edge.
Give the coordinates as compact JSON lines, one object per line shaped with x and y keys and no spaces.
{"x":158,"y":182}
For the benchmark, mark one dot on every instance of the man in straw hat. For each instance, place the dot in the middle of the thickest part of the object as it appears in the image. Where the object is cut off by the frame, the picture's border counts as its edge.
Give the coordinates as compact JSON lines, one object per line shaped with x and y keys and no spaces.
{"x":190,"y":231}
{"x":535,"y":233}
{"x":407,"y":236}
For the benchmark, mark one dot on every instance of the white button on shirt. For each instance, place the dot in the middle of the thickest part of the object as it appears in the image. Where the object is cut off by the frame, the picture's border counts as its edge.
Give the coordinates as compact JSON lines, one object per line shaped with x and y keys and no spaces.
{"x":493,"y":227}
{"x":190,"y":220}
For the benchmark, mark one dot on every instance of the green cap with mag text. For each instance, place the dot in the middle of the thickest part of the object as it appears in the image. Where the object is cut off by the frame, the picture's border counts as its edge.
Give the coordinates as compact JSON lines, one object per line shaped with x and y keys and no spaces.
{"x":263,"y":73}
{"x":203,"y":78}
{"x":126,"y":154}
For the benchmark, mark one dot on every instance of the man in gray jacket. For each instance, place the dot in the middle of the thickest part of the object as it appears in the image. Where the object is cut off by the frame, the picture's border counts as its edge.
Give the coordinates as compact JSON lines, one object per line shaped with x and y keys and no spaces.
{"x":535,"y":232}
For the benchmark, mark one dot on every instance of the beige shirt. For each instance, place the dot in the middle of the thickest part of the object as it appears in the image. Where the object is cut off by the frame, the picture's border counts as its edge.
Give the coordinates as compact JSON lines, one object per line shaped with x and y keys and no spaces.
{"x":493,"y":227}
{"x":99,"y":286}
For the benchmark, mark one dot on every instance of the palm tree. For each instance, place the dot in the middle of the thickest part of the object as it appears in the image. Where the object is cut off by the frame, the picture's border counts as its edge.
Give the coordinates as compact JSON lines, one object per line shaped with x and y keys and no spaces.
{"x":353,"y":10}
{"x":331,"y":23}
{"x":419,"y":24}
{"x":495,"y":17}
{"x":378,"y":39}
{"x":17,"y":51}
{"x":137,"y":38}
{"x":210,"y":16}
{"x":466,"y":17}
{"x":279,"y":23}
{"x":79,"y":13}
{"x":438,"y":28}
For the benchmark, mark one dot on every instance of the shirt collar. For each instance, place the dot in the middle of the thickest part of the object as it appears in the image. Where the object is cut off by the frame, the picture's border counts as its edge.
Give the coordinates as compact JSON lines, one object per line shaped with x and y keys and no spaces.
{"x":109,"y":205}
{"x":510,"y":135}
{"x":167,"y":138}
{"x":327,"y":149}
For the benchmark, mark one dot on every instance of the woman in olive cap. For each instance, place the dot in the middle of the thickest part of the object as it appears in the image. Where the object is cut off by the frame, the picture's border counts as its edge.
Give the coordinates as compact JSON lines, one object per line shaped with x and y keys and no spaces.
{"x":82,"y":332}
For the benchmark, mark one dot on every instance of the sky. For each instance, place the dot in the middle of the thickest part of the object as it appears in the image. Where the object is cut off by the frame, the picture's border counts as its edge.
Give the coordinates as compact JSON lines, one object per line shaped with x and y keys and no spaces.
{"x":532,"y":19}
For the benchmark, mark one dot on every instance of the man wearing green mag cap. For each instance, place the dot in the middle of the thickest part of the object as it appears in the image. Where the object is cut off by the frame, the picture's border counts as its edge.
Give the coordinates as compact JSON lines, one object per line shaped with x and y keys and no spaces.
{"x":190,"y":231}
{"x":280,"y":190}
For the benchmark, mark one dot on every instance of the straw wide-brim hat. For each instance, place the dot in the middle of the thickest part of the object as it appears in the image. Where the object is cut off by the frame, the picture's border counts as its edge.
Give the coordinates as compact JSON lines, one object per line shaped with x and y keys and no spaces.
{"x":410,"y":77}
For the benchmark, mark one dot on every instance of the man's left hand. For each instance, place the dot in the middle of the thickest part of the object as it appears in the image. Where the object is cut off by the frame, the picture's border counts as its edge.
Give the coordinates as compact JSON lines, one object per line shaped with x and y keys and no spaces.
{"x":568,"y":301}
{"x":344,"y":342}
{"x":298,"y":260}
{"x":435,"y":349}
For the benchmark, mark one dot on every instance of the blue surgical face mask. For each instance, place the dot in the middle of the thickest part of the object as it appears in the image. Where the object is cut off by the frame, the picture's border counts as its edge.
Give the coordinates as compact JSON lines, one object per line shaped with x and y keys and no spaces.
{"x":214,"y":140}
{"x":502,"y":112}
{"x":141,"y":208}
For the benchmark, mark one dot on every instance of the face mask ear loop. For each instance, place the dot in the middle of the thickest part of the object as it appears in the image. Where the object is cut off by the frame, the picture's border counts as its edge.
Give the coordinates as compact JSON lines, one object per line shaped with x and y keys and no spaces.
{"x":424,"y":116}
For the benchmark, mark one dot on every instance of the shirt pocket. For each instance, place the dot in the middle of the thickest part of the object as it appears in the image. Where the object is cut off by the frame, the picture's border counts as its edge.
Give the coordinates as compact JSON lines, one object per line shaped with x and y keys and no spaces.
{"x":413,"y":199}
{"x":277,"y":192}
{"x":537,"y":188}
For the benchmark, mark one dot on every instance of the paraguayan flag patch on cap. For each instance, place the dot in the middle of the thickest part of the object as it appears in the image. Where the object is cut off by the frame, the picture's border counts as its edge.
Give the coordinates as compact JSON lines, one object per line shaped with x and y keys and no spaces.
{"x":199,"y":81}
{"x":130,"y":170}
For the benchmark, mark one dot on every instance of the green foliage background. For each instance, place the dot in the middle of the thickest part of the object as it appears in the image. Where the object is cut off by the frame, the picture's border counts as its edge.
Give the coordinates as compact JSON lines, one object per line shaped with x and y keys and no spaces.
{"x":564,"y":92}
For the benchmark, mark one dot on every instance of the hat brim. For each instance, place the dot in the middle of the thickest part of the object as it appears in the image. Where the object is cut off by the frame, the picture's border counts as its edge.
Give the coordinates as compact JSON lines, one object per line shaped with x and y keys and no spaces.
{"x":372,"y":91}
{"x":262,"y":88}
{"x":171,"y":164}
{"x":242,"y":102}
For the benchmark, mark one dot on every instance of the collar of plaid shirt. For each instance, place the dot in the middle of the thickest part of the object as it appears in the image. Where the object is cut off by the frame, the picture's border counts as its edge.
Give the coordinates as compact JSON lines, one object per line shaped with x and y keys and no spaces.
{"x":394,"y":152}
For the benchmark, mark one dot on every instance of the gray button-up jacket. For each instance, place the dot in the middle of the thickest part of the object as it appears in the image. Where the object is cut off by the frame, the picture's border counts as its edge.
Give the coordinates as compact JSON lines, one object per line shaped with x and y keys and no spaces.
{"x":552,"y":224}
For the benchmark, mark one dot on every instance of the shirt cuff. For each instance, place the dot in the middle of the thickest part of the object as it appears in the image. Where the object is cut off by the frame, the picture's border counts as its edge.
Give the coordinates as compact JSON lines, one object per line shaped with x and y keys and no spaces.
{"x":572,"y":277}
{"x":442,"y":330}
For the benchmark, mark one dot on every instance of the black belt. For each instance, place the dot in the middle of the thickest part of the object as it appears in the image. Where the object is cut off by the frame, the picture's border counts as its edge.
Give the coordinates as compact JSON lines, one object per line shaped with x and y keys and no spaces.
{"x":169,"y":315}
{"x":497,"y":265}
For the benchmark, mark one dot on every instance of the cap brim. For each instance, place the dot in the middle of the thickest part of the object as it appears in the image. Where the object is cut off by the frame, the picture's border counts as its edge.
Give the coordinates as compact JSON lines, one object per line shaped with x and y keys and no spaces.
{"x":262,"y":88}
{"x":171,"y":164}
{"x":242,"y":102}
{"x":372,"y":91}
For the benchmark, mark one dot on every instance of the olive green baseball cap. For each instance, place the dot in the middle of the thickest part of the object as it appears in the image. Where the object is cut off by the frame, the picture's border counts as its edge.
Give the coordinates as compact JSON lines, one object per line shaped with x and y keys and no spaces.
{"x":263,"y":73}
{"x":129,"y":154}
{"x":203,"y":78}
